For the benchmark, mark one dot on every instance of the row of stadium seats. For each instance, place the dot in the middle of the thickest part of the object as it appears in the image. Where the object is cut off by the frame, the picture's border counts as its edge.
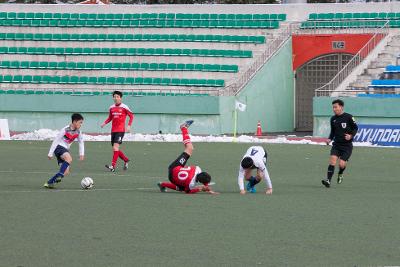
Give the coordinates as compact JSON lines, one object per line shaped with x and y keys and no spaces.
{"x":352,"y":16}
{"x":139,"y":16}
{"x":380,"y":95}
{"x":348,"y":24}
{"x":117,"y":66}
{"x":392,"y":69}
{"x":133,"y":37}
{"x":93,"y":93}
{"x":126,"y":51}
{"x":385,"y":83}
{"x":48,"y":79}
{"x":239,"y":24}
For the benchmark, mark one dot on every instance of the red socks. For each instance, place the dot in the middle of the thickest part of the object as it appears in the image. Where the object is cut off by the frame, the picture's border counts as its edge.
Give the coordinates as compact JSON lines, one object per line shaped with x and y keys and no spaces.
{"x":185,"y":136}
{"x":115,"y":158}
{"x":122,"y":156}
{"x":169,"y":185}
{"x":117,"y":154}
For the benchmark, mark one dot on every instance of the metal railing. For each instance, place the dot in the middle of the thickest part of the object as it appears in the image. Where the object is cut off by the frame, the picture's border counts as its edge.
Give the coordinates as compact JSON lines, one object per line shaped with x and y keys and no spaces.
{"x":333,"y":84}
{"x":271,"y":48}
{"x":341,"y":26}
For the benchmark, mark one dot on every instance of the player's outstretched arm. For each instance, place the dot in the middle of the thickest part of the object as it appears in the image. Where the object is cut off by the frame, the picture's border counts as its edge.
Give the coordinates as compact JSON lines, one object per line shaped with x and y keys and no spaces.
{"x":209,"y":190}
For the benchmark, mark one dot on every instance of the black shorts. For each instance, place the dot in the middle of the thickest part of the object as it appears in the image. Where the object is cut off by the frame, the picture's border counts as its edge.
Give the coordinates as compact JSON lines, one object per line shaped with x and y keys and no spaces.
{"x":180,"y":161}
{"x":58,"y":152}
{"x":116,"y":138}
{"x":342,"y":151}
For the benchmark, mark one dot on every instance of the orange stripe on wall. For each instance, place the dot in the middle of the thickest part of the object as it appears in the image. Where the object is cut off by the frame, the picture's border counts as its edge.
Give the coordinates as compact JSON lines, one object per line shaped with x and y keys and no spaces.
{"x":308,"y":47}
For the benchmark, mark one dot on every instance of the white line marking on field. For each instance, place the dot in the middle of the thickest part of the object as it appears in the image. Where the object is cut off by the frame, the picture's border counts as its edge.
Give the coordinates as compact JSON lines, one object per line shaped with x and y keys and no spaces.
{"x":74,"y":190}
{"x":108,"y":174}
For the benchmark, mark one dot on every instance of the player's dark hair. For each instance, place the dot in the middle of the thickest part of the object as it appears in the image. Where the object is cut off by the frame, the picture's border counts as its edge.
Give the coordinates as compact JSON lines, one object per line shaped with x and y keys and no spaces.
{"x":76,"y":117}
{"x":338,"y":101}
{"x":203,"y":178}
{"x":247,"y":163}
{"x":117,"y":93}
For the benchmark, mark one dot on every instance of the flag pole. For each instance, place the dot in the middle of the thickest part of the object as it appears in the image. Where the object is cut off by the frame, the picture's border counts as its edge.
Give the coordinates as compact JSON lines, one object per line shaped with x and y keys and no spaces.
{"x":235,"y":124}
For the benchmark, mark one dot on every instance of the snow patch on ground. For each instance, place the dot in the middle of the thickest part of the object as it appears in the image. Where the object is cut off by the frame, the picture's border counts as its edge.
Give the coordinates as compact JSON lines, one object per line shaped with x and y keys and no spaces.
{"x":48,"y":134}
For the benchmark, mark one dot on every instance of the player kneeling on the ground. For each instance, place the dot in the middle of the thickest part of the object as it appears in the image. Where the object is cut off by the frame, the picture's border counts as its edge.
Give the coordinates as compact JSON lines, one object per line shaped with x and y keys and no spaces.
{"x":186,"y":179}
{"x":60,"y":148}
{"x":255,"y":158}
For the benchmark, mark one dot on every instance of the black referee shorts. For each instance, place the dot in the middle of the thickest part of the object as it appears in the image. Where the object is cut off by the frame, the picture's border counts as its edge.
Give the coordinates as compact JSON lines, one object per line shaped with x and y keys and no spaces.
{"x":342,"y":151}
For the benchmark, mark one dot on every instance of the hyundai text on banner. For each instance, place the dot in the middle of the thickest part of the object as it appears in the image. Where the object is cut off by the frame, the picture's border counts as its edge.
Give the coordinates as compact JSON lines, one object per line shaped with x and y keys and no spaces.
{"x":383,"y":135}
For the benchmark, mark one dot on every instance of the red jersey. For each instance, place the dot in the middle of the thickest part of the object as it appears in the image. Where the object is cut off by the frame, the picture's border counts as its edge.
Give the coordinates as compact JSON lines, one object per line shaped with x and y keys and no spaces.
{"x":117,"y":115}
{"x":186,"y":177}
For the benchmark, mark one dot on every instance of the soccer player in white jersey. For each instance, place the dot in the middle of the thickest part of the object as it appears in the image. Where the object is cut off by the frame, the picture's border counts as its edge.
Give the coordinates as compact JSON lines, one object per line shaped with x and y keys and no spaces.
{"x":254,"y":159}
{"x":60,"y":148}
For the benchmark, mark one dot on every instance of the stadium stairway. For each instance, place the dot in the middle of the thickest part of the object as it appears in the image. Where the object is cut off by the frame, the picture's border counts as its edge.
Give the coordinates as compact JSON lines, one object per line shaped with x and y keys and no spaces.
{"x":377,"y":66}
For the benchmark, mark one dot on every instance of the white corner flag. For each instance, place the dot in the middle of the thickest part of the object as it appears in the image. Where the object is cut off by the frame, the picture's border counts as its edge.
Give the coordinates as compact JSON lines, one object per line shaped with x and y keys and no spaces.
{"x":240,"y":106}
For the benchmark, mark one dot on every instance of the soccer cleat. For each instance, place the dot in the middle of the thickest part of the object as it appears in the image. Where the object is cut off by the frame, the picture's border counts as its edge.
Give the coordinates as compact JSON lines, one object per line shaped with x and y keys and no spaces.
{"x":58,"y":179}
{"x":110,"y":168}
{"x":186,"y":124}
{"x":340,"y":178}
{"x":248,"y":187}
{"x":49,"y":186}
{"x":326,"y":182}
{"x":126,"y":165}
{"x":162,"y":188}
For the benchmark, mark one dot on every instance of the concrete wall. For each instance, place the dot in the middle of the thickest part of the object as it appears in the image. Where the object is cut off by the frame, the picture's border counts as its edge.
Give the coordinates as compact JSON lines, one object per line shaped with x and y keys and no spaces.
{"x":269,"y":97}
{"x":365,"y":111}
{"x":152,"y":113}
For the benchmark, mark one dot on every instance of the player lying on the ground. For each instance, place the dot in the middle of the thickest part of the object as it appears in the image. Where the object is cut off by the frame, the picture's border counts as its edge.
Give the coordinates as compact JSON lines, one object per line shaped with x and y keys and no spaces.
{"x":255,"y":158}
{"x":60,"y":148}
{"x":186,"y":179}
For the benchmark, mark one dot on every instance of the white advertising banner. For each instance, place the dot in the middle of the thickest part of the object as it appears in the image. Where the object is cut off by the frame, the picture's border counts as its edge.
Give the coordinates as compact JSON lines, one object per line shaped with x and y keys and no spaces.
{"x":4,"y":130}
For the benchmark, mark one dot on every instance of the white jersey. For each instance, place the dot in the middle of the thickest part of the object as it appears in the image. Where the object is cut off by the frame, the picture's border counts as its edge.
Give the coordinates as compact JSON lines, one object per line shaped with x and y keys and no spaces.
{"x":65,"y":138}
{"x":257,"y":154}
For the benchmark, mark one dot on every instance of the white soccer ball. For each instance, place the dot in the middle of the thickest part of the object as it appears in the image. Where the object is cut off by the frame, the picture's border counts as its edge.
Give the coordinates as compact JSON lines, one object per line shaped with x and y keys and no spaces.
{"x":87,"y":183}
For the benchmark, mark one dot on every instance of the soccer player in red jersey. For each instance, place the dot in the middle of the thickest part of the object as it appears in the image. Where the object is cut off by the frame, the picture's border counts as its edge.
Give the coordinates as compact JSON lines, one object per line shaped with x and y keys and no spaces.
{"x":189,"y":179}
{"x":117,"y":114}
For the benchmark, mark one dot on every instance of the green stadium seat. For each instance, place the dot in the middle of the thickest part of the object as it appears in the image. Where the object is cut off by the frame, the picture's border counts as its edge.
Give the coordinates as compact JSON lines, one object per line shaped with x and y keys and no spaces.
{"x":98,"y":65}
{"x":74,"y":79}
{"x":138,"y":80}
{"x":63,"y":65}
{"x":17,"y":79}
{"x":30,"y":65}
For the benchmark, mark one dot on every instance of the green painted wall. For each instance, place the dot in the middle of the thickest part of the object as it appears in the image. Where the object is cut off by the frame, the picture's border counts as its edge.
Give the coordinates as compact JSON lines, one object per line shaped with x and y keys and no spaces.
{"x":364,"y":110}
{"x":269,"y":97}
{"x":152,"y":113}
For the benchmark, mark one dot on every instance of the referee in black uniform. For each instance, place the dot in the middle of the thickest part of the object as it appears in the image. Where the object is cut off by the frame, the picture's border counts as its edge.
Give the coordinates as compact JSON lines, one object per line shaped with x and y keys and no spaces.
{"x":343,"y":129}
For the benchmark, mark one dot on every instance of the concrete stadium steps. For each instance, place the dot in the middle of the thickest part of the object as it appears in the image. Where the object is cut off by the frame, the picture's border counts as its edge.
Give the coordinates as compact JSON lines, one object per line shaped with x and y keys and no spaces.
{"x":183,"y":45}
{"x":377,"y":66}
{"x":241,"y":62}
{"x":108,"y":87}
{"x":122,"y":73}
{"x":220,"y":31}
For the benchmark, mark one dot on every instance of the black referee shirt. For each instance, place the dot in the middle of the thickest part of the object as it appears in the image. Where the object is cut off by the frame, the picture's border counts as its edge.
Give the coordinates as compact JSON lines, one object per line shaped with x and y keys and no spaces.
{"x":341,"y":125}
